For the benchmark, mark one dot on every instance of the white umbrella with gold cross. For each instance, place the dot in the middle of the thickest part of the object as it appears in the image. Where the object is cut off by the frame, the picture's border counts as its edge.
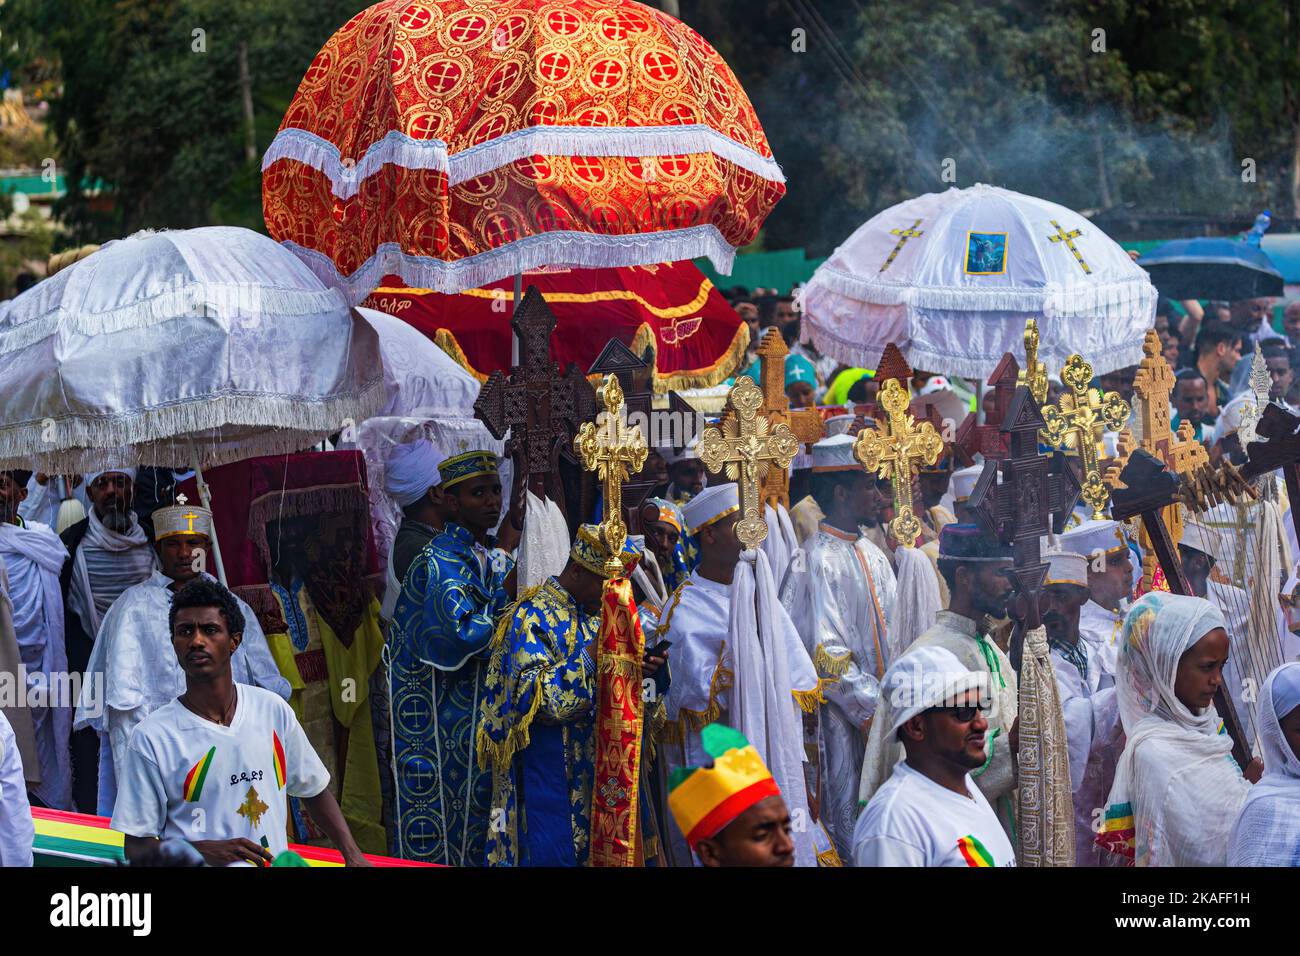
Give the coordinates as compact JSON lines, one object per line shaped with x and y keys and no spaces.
{"x":951,"y":278}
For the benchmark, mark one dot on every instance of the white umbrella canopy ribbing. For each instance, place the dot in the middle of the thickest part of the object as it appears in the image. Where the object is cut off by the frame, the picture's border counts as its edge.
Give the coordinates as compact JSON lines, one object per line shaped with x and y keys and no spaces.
{"x":951,"y":278}
{"x":181,"y":348}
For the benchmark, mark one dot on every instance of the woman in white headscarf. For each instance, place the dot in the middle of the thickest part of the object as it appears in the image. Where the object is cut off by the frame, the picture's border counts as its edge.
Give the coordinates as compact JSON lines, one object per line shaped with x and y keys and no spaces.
{"x":1177,"y":790}
{"x":1268,"y":831}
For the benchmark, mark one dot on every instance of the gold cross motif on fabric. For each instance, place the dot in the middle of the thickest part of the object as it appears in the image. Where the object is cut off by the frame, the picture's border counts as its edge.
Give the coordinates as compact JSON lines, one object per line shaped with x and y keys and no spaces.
{"x":1181,"y":452}
{"x":806,"y":423}
{"x":252,"y":808}
{"x":895,"y":451}
{"x":613,"y":450}
{"x":911,"y":232}
{"x":1078,"y":421}
{"x":1034,"y":374}
{"x":1068,"y":238}
{"x":747,"y":445}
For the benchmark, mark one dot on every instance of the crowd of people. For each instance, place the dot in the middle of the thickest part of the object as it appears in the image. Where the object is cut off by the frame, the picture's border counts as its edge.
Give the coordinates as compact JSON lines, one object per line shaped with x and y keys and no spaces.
{"x":831,"y":698}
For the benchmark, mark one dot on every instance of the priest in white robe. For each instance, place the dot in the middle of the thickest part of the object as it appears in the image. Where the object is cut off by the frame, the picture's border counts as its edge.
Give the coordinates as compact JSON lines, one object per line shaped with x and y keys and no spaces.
{"x":1110,"y":583}
{"x":834,"y":600}
{"x":735,"y":658}
{"x":17,"y":830}
{"x":133,"y":668}
{"x":33,"y":556}
{"x":1086,"y":686}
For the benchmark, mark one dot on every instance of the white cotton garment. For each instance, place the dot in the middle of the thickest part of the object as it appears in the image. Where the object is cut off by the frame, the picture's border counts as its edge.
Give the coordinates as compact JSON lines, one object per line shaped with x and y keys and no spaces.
{"x":178,"y":764}
{"x":133,"y":671}
{"x":17,"y":830}
{"x":913,"y":821}
{"x":1267,"y":833}
{"x":544,"y":543}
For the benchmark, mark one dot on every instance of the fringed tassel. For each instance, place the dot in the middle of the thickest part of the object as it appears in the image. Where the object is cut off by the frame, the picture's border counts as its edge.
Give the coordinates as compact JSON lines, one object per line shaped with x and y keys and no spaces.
{"x":829,"y":858}
{"x":300,"y":503}
{"x":497,"y":754}
{"x":809,"y":699}
{"x":830,"y":665}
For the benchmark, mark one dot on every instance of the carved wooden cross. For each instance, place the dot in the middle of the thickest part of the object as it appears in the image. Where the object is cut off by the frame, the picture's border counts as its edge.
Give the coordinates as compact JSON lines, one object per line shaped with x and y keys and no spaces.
{"x":895,"y":451}
{"x":1079,"y":420}
{"x":1182,"y":454}
{"x":534,"y":402}
{"x":988,"y":439}
{"x":1036,"y":494}
{"x":1146,"y":489}
{"x":805,"y":423}
{"x":748,"y":445}
{"x":613,"y":450}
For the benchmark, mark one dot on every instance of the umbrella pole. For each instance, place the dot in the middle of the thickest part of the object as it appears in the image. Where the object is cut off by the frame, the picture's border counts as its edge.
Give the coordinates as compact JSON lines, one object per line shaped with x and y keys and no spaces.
{"x":205,"y":498}
{"x":514,"y":337}
{"x":979,"y":401}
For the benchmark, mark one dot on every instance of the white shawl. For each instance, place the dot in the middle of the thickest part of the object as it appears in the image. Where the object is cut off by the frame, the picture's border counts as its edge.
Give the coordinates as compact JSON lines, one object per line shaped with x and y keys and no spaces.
{"x":113,"y":576}
{"x":1267,"y":833}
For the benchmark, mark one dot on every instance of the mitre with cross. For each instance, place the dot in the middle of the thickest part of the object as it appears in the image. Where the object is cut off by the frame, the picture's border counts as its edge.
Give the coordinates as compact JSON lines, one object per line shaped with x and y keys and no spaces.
{"x":805,"y":424}
{"x":1078,"y":420}
{"x":747,"y":445}
{"x":536,"y":403}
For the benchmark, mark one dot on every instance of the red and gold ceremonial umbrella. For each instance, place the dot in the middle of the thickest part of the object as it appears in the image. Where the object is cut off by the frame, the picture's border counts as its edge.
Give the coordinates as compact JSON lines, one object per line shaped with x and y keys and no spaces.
{"x":697,"y":337}
{"x":458,"y":142}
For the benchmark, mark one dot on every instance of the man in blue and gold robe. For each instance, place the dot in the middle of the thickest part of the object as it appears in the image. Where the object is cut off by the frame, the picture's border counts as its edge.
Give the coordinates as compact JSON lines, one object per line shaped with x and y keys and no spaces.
{"x":451,"y":600}
{"x":538,"y":733}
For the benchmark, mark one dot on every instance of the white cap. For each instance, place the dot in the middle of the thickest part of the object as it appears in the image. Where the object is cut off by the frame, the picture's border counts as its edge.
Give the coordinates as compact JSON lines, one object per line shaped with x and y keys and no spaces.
{"x":714,"y":502}
{"x":1066,"y":567}
{"x":963,"y":481}
{"x":1092,"y":536}
{"x":181,"y":519}
{"x":123,"y":470}
{"x":926,"y":677}
{"x":835,"y":454}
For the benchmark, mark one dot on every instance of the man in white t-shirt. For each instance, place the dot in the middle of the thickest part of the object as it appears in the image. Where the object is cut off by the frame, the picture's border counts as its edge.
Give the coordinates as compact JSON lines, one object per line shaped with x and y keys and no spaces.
{"x":217,"y":765}
{"x":929,"y":812}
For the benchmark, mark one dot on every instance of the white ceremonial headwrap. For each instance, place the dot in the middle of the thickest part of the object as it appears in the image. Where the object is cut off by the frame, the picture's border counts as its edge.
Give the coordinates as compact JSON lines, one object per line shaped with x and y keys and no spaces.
{"x":130,"y":472}
{"x":714,"y":502}
{"x":411,"y":470}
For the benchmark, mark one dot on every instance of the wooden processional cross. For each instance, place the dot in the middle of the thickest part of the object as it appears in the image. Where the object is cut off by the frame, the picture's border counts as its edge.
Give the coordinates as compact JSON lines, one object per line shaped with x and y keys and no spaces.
{"x":805,"y":423}
{"x":1181,"y":453}
{"x":988,"y":439}
{"x":895,"y":451}
{"x":1146,"y":489}
{"x":748,"y":446}
{"x":534,"y":402}
{"x":1277,"y":446}
{"x":1036,"y":494}
{"x":1078,"y":420}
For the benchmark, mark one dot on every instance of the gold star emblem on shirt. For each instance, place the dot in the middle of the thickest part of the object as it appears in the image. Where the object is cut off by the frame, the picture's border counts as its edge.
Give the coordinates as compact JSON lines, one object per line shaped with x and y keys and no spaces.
{"x":252,"y":807}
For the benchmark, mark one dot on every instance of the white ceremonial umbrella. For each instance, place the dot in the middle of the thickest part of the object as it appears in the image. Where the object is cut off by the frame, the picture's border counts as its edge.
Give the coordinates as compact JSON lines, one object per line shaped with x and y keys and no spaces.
{"x":184,"y":348}
{"x":951,"y":278}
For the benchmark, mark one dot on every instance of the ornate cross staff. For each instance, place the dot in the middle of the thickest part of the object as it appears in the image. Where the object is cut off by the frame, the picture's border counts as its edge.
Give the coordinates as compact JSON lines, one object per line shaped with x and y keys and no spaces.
{"x":806,"y":425}
{"x":1182,"y":454}
{"x":613,"y":450}
{"x":1034,"y":374}
{"x":895,"y":451}
{"x":534,"y":402}
{"x":1079,"y":420}
{"x":748,"y":445}
{"x":1035,"y":494}
{"x":987,"y":439}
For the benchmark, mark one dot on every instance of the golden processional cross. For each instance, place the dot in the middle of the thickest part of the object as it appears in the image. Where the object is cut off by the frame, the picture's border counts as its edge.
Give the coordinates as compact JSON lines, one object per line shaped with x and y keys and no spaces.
{"x":1034,"y":374}
{"x":747,"y":444}
{"x":895,"y":450}
{"x":1078,"y":421}
{"x":1181,"y":453}
{"x":614,"y":450}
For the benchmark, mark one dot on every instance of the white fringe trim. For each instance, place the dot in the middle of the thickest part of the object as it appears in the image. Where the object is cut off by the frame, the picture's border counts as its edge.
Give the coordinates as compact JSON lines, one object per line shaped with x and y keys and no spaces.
{"x":570,"y":248}
{"x":280,"y":424}
{"x":229,"y":301}
{"x":399,"y":149}
{"x":1135,"y":294}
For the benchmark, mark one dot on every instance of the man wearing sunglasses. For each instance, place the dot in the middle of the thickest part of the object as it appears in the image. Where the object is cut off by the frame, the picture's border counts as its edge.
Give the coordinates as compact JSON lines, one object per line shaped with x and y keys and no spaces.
{"x":930,"y":812}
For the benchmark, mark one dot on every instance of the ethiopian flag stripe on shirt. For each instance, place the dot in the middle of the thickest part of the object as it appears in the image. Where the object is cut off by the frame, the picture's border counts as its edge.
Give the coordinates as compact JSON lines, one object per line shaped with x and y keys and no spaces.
{"x":279,"y":759}
{"x":973,"y":851}
{"x":198,"y":773}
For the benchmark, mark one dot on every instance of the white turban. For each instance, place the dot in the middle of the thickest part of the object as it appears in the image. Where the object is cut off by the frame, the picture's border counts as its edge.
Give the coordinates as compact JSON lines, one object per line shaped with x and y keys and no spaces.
{"x":129,"y":472}
{"x":411,"y":470}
